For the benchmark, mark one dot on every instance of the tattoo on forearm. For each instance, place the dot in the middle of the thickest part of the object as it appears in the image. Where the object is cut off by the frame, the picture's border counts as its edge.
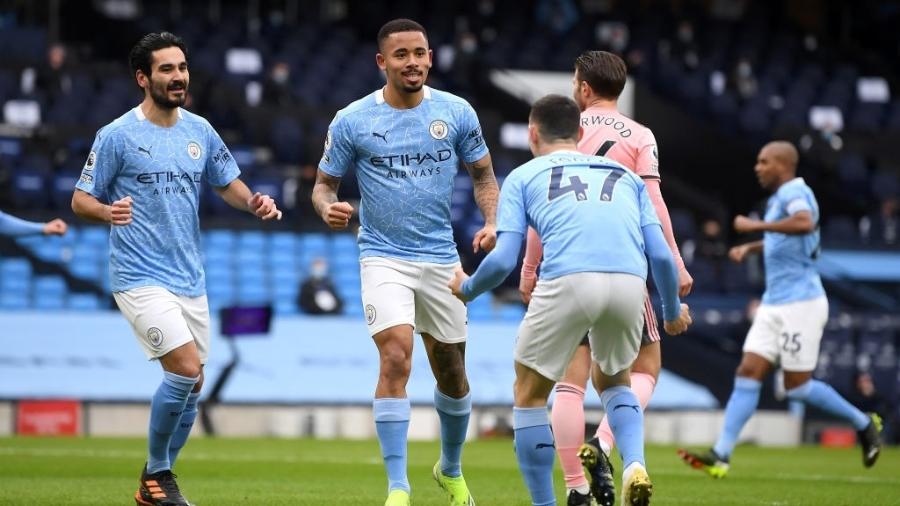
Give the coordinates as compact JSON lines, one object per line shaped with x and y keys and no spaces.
{"x":485,"y":188}
{"x":325,"y":191}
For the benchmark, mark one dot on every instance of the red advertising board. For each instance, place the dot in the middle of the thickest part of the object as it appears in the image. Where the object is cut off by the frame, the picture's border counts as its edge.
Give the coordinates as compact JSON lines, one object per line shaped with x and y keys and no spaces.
{"x":48,"y":418}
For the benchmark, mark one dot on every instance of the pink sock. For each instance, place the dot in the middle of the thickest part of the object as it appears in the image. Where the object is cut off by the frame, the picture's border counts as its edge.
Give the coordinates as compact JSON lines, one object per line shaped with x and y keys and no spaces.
{"x":567,"y":419}
{"x":643,"y":385}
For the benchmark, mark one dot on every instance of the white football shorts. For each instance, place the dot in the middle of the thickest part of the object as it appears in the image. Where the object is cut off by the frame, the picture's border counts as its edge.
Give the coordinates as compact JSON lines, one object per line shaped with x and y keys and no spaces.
{"x":789,"y":334}
{"x":163,"y":321}
{"x":400,"y":292}
{"x":609,"y":306}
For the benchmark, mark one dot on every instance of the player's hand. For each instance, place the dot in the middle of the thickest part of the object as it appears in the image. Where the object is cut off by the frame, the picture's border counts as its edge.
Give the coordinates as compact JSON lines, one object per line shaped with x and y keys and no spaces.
{"x":55,"y":227}
{"x":685,"y":282}
{"x":337,"y":215}
{"x":120,"y":211}
{"x":738,"y":253}
{"x":527,"y":280}
{"x":675,"y":327}
{"x":263,"y":206}
{"x":456,"y":282}
{"x":744,"y":224}
{"x":485,"y":239}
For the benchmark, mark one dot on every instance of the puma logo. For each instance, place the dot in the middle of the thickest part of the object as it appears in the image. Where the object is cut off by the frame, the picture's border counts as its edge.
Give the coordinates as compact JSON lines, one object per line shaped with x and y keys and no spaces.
{"x":544,"y":445}
{"x":381,"y":136}
{"x":145,"y":150}
{"x":637,"y":409}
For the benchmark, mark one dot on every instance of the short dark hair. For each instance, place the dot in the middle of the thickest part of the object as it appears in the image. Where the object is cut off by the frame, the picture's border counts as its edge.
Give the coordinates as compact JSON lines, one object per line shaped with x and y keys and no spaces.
{"x":141,"y":56}
{"x":399,"y":25}
{"x":604,"y":72}
{"x":556,"y":117}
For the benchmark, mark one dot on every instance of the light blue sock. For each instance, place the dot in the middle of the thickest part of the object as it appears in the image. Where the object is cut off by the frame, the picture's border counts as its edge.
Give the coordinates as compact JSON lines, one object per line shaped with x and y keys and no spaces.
{"x":626,"y":419}
{"x":165,"y":412}
{"x":391,"y":424}
{"x":741,"y":405}
{"x":454,"y":414}
{"x":535,"y":452}
{"x":179,"y":438}
{"x":822,"y":396}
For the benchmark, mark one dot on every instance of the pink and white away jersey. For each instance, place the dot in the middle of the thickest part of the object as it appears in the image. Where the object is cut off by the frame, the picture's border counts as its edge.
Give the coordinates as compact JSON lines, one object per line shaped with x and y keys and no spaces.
{"x":609,"y":133}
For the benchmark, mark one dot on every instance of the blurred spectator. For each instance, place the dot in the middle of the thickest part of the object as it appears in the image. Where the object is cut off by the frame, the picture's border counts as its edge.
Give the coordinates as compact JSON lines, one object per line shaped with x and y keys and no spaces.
{"x":864,"y":396}
{"x":317,"y":292}
{"x":711,"y":244}
{"x":557,"y":15}
{"x":743,"y":79}
{"x":277,"y":86}
{"x":882,"y":227}
{"x":54,"y":78}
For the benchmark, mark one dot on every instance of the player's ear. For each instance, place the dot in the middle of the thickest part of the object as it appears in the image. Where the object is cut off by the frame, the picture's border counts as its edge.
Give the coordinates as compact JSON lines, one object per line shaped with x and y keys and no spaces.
{"x":532,"y":134}
{"x":141,"y":78}
{"x":379,"y":60}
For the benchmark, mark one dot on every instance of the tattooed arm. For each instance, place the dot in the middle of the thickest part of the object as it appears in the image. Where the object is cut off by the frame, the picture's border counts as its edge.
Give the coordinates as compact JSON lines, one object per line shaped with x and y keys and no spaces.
{"x":486,"y":195}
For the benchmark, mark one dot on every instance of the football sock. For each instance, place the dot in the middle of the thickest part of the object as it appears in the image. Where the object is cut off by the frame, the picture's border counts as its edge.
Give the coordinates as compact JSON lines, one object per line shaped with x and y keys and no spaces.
{"x":179,"y":438}
{"x":165,"y":412}
{"x":567,"y":416}
{"x":822,"y":396}
{"x":627,"y":422}
{"x":391,"y":424}
{"x":535,"y":453}
{"x":741,"y":405}
{"x":454,"y":415}
{"x":642,"y":385}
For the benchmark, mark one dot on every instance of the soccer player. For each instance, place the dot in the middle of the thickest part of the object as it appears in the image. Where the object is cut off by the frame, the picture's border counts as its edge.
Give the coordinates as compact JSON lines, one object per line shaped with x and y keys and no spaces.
{"x":148,"y":164}
{"x":598,"y":227}
{"x":405,"y":141}
{"x":788,"y":325}
{"x":599,"y":79}
{"x":16,"y":227}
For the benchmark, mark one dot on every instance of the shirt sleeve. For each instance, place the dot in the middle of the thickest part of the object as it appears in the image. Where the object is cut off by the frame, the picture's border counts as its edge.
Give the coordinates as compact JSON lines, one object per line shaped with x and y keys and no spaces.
{"x":221,"y":168}
{"x":794,"y":201}
{"x":15,"y":227}
{"x":647,"y":163}
{"x":648,"y":212}
{"x":339,"y":152}
{"x":511,"y":209}
{"x":470,"y":145}
{"x":102,"y":165}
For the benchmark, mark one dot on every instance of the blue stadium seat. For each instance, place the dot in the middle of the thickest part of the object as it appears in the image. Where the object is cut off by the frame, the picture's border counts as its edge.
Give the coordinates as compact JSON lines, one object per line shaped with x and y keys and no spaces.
{"x":13,"y":300}
{"x":315,"y":245}
{"x":29,"y":188}
{"x":84,"y":301}
{"x":253,"y":240}
{"x":220,"y":238}
{"x":283,"y":242}
{"x":49,"y":286}
{"x":837,"y":357}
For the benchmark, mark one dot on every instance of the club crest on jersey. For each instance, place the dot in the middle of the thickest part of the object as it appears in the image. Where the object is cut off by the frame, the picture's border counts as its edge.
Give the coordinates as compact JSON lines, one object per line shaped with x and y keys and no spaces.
{"x":194,"y":150}
{"x":438,"y":129}
{"x":92,"y":159}
{"x":155,"y":336}
{"x":370,"y":314}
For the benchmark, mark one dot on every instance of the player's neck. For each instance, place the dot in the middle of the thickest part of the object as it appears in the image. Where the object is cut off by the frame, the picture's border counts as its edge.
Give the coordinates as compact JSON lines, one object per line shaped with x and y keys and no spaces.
{"x":602,"y":103}
{"x":164,"y":117}
{"x":546,"y":149}
{"x":401,"y":99}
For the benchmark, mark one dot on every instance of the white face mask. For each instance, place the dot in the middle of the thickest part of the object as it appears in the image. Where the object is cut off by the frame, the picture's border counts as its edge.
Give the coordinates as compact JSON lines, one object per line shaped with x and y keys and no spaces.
{"x":318,"y":271}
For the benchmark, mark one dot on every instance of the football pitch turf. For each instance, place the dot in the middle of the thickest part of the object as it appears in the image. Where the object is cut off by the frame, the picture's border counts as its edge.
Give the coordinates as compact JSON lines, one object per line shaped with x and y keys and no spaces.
{"x":216,"y":472}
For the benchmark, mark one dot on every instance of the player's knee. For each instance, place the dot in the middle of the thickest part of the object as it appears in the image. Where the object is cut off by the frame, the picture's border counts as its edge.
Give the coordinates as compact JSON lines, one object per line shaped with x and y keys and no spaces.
{"x":748,"y":370}
{"x":395,"y":361}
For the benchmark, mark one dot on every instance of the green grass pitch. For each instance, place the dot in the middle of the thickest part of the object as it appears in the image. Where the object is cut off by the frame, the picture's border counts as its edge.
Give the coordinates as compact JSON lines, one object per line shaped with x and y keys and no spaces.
{"x":219,"y":472}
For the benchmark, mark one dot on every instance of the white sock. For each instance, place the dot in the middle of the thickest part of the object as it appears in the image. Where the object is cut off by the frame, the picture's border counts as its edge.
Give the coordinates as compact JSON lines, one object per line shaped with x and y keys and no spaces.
{"x":583,"y":490}
{"x":604,"y":446}
{"x":626,"y":474}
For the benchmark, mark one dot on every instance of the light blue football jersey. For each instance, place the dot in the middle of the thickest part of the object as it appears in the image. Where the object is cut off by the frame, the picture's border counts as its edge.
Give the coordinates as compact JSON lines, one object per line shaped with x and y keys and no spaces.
{"x":588,"y":210}
{"x":790,"y":259}
{"x":405,"y":160}
{"x":162,"y":170}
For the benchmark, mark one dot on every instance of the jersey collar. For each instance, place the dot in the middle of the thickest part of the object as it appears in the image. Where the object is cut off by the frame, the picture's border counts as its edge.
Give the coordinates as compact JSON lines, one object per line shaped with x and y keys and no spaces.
{"x":379,"y":95}
{"x":141,"y":117}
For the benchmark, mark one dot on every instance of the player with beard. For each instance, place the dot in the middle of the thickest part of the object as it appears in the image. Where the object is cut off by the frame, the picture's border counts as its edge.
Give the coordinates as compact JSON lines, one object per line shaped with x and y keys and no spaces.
{"x":405,"y":141}
{"x":148,"y":165}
